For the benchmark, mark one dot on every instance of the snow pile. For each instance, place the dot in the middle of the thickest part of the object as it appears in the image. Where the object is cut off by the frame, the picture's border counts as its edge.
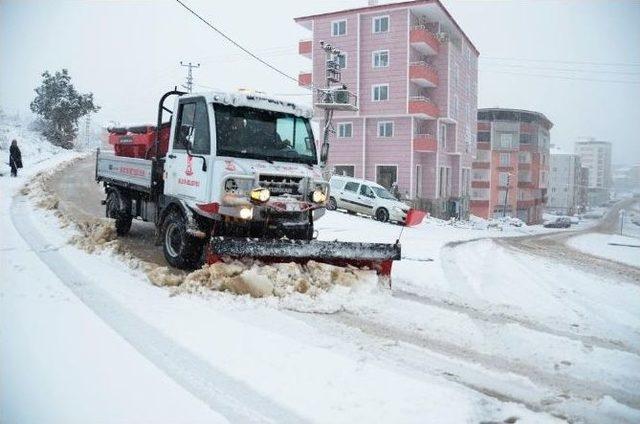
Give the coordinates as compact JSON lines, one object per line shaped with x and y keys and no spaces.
{"x":476,"y":223}
{"x":96,"y":235}
{"x":260,"y":280}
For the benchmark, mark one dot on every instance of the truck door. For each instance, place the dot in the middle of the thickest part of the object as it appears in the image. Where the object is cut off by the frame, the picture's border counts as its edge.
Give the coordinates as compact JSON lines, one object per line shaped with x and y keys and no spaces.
{"x":185,"y":175}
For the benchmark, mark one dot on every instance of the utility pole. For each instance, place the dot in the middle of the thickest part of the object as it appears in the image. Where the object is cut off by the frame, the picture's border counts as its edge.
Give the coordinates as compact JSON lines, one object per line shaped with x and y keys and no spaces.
{"x":506,"y":197}
{"x":87,"y":129}
{"x":189,"y":81}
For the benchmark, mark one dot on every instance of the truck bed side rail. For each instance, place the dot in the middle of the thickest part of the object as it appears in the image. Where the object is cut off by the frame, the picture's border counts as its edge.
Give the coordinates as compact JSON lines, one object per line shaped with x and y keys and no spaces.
{"x":124,"y":171}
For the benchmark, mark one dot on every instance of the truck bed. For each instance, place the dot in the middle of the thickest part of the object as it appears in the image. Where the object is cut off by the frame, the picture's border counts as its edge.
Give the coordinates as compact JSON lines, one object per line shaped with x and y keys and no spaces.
{"x":124,"y":171}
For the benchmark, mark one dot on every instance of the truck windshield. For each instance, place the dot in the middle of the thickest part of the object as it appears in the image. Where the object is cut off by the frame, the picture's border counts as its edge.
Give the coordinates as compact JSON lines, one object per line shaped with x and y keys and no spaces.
{"x":263,"y":134}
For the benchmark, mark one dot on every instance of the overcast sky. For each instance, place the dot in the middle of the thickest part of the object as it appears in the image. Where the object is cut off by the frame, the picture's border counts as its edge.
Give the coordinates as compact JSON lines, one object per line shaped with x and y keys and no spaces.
{"x":578,"y":62}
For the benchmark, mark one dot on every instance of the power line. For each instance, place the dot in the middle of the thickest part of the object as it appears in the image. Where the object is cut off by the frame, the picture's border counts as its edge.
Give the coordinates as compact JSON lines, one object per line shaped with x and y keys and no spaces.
{"x":545,"y":68}
{"x":560,"y":61}
{"x":561,"y":77}
{"x":226,"y":37}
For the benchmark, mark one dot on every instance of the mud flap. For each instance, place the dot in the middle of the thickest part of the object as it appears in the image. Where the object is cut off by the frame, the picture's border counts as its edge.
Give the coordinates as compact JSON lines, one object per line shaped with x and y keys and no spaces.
{"x":374,"y":256}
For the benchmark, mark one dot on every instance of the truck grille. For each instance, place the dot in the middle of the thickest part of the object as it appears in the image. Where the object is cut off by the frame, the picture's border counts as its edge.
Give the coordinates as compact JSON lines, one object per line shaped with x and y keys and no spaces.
{"x":280,"y":185}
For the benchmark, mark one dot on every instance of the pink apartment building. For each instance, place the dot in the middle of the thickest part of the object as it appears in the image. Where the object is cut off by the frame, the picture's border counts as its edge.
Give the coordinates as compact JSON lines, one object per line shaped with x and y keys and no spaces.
{"x":415,"y":74}
{"x":511,"y":169}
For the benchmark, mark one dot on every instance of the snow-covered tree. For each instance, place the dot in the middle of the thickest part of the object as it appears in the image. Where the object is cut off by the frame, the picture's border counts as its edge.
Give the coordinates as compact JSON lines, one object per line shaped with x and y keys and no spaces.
{"x":60,"y":106}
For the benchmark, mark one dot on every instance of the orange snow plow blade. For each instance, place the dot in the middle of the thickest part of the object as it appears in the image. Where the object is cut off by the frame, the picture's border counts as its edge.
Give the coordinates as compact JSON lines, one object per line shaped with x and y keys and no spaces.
{"x":374,"y":256}
{"x":414,"y":217}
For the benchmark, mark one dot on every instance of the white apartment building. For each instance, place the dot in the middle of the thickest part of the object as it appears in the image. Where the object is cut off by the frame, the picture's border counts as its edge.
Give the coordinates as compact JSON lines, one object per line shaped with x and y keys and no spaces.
{"x":596,"y":157}
{"x":564,"y":182}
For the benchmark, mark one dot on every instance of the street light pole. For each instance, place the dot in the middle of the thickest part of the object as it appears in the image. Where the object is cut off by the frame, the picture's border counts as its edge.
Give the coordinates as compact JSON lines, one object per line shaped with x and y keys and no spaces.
{"x":506,"y":196}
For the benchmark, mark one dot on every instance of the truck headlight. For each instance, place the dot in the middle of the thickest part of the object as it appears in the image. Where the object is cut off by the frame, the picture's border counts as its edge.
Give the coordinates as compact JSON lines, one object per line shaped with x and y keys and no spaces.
{"x":246,"y":213}
{"x":260,"y":195}
{"x":318,"y":196}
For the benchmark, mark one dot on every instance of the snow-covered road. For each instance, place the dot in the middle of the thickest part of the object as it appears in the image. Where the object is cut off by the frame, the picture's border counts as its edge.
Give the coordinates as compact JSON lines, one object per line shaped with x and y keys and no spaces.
{"x":482,"y":333}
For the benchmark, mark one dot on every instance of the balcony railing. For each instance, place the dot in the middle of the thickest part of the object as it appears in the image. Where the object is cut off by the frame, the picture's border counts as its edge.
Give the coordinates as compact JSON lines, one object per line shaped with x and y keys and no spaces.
{"x":424,"y":143}
{"x":424,"y":40}
{"x":423,"y":74}
{"x":423,"y":106}
{"x":304,"y":48}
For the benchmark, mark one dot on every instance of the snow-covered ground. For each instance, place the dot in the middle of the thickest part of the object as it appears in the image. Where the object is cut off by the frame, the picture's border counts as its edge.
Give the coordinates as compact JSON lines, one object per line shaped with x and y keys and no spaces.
{"x":470,"y":332}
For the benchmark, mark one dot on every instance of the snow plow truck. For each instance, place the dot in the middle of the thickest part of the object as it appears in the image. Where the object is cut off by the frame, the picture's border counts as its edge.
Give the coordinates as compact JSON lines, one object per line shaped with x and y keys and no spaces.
{"x":228,"y":175}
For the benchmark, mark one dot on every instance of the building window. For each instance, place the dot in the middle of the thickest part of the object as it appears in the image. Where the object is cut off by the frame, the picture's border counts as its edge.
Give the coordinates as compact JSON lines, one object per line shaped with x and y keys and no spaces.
{"x":381,"y":24}
{"x":524,"y":157}
{"x":385,"y":129}
{"x":341,"y":60}
{"x":480,"y":175}
{"x":524,"y":176}
{"x":479,"y":194}
{"x":380,"y":92}
{"x":525,"y":138}
{"x":483,"y":156}
{"x":505,"y":140}
{"x":386,"y":175}
{"x":484,"y":136}
{"x":505,"y":159}
{"x":503,"y":179}
{"x":456,"y":74}
{"x":345,"y":130}
{"x":456,"y":105}
{"x":338,"y":28}
{"x":344,"y":170}
{"x":380,"y":59}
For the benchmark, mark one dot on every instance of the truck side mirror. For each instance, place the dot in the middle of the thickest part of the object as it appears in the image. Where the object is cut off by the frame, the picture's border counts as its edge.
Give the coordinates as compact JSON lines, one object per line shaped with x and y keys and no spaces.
{"x":324,"y":153}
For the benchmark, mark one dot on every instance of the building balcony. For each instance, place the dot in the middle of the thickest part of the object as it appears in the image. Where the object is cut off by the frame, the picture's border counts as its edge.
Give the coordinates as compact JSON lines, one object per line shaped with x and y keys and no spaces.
{"x":424,"y":40}
{"x":304,"y":48}
{"x":481,"y":165}
{"x":480,"y":184}
{"x":423,"y":106}
{"x":304,"y":79}
{"x":424,"y":143}
{"x":422,"y":74}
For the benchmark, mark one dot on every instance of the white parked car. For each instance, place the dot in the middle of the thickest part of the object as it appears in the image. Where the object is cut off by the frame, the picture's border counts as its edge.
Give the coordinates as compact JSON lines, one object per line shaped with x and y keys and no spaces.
{"x":361,"y":196}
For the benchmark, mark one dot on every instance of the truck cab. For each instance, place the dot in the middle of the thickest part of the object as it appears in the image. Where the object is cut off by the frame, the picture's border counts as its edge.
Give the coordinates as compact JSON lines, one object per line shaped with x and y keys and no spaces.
{"x":247,"y":161}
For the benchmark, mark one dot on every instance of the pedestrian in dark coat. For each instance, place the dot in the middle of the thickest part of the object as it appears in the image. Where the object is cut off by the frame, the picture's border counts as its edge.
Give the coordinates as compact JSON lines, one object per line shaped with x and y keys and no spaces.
{"x":15,"y":158}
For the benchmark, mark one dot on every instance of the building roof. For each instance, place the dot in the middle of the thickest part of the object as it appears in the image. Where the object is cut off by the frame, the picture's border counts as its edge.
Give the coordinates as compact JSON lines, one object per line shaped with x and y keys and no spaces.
{"x":389,"y":6}
{"x":506,"y":114}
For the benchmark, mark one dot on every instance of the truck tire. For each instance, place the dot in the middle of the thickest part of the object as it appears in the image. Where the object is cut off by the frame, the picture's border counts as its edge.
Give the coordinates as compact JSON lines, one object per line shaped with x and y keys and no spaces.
{"x":123,"y":219}
{"x":332,"y":205}
{"x":180,"y":249}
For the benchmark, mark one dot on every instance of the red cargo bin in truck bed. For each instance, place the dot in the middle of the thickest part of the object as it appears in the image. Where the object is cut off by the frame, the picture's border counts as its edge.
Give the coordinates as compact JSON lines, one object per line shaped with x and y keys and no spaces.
{"x":137,"y":141}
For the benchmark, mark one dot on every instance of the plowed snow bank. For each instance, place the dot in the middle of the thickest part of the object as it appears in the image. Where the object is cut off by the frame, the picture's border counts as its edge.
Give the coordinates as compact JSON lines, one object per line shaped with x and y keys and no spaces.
{"x":261,"y":280}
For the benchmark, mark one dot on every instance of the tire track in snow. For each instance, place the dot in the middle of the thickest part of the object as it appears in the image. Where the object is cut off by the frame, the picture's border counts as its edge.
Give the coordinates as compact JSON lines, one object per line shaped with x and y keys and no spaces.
{"x":584,"y":389}
{"x":503,"y":318}
{"x":232,"y":398}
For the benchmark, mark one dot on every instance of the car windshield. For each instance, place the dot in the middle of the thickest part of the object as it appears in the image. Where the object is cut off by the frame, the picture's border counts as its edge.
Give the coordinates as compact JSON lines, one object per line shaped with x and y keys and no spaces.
{"x":383,"y":193}
{"x":263,"y":134}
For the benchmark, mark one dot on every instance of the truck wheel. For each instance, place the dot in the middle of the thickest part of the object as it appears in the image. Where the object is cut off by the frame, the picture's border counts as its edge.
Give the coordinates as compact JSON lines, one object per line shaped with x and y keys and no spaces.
{"x":382,"y":215}
{"x":180,"y":249}
{"x":123,"y":220}
{"x":332,"y":205}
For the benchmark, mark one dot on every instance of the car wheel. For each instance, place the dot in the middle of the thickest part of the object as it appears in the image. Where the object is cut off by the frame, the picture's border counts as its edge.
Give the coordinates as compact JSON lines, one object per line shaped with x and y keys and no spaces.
{"x":123,"y":219}
{"x":382,"y":215}
{"x":180,"y":249}
{"x":332,"y":205}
